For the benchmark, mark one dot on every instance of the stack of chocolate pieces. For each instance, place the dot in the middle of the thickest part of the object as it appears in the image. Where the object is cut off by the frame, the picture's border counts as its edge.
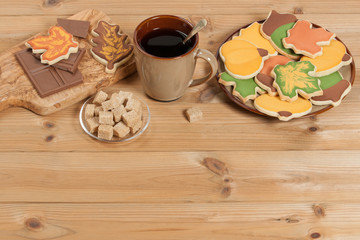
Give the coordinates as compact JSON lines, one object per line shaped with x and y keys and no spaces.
{"x":51,"y":62}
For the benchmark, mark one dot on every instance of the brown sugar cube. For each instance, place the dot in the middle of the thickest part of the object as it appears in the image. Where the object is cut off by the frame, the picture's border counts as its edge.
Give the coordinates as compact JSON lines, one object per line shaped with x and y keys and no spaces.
{"x":116,"y":101}
{"x":136,"y":127}
{"x":133,"y":104}
{"x":125,"y":96}
{"x":131,"y":118}
{"x":100,"y":97}
{"x":105,"y":132}
{"x":194,"y":114}
{"x":98,"y":109}
{"x":114,"y":95}
{"x":107,"y":105}
{"x":106,"y":117}
{"x":92,"y":124}
{"x":121,"y":130}
{"x":89,"y":111}
{"x":118,"y":112}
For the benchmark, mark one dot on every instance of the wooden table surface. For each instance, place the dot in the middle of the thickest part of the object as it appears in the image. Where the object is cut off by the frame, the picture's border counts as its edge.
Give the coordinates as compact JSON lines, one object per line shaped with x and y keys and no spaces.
{"x":233,"y":175}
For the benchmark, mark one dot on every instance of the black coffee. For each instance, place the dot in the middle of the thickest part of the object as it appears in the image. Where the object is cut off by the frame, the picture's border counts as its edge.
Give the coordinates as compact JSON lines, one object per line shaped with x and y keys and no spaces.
{"x":166,"y":43}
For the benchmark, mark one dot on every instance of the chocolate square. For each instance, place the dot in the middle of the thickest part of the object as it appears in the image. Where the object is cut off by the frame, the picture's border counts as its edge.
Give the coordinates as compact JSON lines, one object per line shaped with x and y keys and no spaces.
{"x":69,"y":64}
{"x":77,"y":28}
{"x":46,"y":79}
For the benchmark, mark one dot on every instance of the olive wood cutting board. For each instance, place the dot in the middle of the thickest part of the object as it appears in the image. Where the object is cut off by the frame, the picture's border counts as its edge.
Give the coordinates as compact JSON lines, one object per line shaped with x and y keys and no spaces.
{"x":16,"y":90}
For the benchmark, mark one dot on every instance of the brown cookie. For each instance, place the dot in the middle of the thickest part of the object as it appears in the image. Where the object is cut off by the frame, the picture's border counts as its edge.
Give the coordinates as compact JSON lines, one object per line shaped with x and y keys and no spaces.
{"x":111,"y":47}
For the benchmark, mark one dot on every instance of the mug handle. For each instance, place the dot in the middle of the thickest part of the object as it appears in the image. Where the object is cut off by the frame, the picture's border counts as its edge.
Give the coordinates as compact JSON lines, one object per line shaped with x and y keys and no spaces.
{"x":210,"y":58}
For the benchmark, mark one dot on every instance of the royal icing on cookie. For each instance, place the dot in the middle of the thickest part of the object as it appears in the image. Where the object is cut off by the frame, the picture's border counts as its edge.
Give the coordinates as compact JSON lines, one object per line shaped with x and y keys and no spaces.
{"x":253,"y":35}
{"x":243,"y":89}
{"x":333,"y":58}
{"x":58,"y":45}
{"x":111,"y":47}
{"x":274,"y":106}
{"x":334,"y":87}
{"x":242,"y":59}
{"x":275,"y":29}
{"x":294,"y":78}
{"x":304,"y":39}
{"x":264,"y":78}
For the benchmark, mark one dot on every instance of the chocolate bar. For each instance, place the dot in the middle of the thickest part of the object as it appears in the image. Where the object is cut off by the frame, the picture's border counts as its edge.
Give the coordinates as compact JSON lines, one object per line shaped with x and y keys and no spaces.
{"x":77,"y":28}
{"x":69,"y":64}
{"x":46,"y":79}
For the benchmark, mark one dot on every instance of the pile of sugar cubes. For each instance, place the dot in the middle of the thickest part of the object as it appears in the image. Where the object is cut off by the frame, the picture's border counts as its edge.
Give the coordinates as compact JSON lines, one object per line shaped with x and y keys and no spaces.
{"x":118,"y":115}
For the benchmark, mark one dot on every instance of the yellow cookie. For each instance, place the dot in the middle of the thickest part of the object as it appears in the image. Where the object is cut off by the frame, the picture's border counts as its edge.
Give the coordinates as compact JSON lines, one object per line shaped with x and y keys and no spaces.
{"x":242,"y":59}
{"x":274,"y":106}
{"x":333,"y":58}
{"x":253,"y":35}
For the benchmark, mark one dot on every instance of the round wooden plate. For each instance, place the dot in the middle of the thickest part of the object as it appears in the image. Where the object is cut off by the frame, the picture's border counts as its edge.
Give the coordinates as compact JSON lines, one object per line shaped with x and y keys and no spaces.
{"x":348,"y":73}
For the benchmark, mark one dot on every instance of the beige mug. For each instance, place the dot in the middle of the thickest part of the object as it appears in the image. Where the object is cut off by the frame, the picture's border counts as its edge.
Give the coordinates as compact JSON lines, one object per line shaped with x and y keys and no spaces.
{"x":167,"y":78}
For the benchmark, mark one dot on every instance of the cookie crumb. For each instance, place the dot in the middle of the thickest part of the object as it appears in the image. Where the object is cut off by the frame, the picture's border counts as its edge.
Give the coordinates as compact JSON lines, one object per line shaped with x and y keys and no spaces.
{"x":194,"y":114}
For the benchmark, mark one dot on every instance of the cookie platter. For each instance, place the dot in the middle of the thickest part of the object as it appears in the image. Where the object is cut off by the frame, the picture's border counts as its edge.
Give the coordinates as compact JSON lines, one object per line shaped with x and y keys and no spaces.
{"x":347,"y":72}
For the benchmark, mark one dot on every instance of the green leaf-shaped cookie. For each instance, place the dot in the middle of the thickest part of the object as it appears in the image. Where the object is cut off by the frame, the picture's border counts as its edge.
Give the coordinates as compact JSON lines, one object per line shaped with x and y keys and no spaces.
{"x":244,"y":89}
{"x":293,"y":79}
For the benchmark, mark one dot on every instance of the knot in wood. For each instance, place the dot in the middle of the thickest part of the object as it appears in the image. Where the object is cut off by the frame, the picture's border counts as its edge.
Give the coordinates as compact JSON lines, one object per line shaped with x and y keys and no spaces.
{"x":49,"y":138}
{"x":33,"y":224}
{"x":51,"y":3}
{"x":49,"y":124}
{"x":313,"y":129}
{"x":315,"y":235}
{"x":319,"y":211}
{"x":298,"y":10}
{"x":216,"y":166}
{"x":313,"y":118}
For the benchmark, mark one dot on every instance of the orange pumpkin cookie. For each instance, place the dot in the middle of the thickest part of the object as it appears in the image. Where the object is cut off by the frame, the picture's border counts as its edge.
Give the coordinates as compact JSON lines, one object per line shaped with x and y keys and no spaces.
{"x":111,"y":47}
{"x":242,"y":59}
{"x":333,"y":58}
{"x":274,"y":106}
{"x":305,"y":40}
{"x":58,"y":45}
{"x":264,"y":78}
{"x":252,"y":34}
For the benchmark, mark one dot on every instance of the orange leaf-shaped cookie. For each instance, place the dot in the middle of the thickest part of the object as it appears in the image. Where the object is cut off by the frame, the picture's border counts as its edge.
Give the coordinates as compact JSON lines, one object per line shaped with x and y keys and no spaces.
{"x":58,"y":45}
{"x":304,"y":39}
{"x":111,"y":47}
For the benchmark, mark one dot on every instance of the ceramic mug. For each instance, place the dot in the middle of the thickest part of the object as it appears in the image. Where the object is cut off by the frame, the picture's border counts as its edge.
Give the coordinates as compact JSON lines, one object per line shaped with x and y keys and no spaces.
{"x":166,"y":79}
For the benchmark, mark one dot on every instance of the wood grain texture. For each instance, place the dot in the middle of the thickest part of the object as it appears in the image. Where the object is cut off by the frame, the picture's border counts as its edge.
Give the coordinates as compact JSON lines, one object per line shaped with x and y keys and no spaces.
{"x":233,"y":175}
{"x":251,"y":221}
{"x":162,"y":177}
{"x":17,"y":90}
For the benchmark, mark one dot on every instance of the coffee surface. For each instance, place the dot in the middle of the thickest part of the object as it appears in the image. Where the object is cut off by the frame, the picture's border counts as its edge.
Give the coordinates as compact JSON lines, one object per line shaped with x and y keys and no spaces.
{"x":166,"y":43}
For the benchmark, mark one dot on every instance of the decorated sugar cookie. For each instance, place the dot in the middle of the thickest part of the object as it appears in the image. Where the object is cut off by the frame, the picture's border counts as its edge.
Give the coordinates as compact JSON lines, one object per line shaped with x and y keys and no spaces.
{"x":111,"y":47}
{"x":275,"y":29}
{"x":274,"y":106}
{"x":295,"y":78}
{"x":242,"y":59}
{"x":253,"y":35}
{"x":264,"y":78}
{"x":243,"y":89}
{"x":333,"y":58}
{"x":334,"y":87}
{"x":304,"y":39}
{"x":58,"y":45}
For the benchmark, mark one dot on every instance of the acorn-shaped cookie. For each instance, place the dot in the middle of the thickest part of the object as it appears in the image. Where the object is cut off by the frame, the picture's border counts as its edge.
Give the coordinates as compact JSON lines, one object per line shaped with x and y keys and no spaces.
{"x":243,"y":60}
{"x":275,"y":29}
